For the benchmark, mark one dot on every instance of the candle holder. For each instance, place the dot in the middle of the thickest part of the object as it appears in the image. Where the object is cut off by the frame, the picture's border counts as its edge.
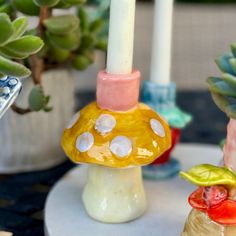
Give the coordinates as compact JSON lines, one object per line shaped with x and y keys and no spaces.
{"x":162,"y":98}
{"x":10,"y":88}
{"x":116,"y":136}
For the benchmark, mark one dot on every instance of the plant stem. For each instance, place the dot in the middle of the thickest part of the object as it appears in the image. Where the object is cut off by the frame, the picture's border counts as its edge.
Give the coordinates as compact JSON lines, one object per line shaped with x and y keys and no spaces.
{"x":19,"y":110}
{"x":36,"y":62}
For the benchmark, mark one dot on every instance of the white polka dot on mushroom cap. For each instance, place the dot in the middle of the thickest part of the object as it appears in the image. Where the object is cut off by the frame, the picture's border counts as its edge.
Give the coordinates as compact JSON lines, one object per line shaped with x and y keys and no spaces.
{"x":121,"y":146}
{"x":105,"y":123}
{"x":73,"y":120}
{"x":84,"y":142}
{"x":157,"y":128}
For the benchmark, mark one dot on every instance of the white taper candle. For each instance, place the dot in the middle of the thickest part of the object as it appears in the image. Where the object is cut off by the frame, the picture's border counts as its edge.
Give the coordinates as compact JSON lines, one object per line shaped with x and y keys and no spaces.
{"x":162,"y":38}
{"x":121,"y":37}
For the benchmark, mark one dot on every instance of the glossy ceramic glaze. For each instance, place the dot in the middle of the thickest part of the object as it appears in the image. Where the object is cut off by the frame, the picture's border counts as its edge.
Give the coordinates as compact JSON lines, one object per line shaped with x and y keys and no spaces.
{"x":9,"y":90}
{"x":118,"y":92}
{"x":116,"y":139}
{"x":199,"y":224}
{"x":114,"y":195}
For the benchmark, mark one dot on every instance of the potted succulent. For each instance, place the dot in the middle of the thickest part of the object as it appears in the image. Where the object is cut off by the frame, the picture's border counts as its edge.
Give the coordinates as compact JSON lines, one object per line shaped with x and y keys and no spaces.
{"x":32,"y":141}
{"x":214,"y":202}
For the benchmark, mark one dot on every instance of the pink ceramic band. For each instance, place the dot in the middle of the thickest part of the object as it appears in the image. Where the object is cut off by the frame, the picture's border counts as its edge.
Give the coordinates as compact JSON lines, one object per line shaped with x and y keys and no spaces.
{"x":118,"y":92}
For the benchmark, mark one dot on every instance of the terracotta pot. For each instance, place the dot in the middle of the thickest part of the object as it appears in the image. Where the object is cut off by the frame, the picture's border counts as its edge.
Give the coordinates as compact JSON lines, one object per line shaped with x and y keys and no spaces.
{"x":199,"y":224}
{"x":166,"y":156}
{"x":32,"y":142}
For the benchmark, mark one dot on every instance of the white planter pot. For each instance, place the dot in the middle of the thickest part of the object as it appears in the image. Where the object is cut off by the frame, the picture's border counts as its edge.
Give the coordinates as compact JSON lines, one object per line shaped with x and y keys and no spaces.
{"x":32,"y":142}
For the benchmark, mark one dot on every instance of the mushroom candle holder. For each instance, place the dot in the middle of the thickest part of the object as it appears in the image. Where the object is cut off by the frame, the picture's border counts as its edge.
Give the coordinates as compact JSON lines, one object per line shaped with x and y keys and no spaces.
{"x":116,"y":137}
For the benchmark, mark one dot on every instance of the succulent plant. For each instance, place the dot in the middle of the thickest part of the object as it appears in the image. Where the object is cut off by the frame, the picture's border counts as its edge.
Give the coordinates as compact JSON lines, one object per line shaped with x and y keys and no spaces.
{"x":58,"y":41}
{"x":223,"y":88}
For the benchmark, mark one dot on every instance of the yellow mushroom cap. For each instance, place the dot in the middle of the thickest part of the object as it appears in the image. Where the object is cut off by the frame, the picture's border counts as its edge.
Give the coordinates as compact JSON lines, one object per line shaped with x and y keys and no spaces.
{"x":116,"y":139}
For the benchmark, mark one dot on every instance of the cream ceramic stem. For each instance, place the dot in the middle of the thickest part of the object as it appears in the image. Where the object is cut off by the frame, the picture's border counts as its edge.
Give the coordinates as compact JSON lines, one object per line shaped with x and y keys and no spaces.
{"x":230,"y":146}
{"x":121,"y":37}
{"x":161,"y":45}
{"x":114,"y":195}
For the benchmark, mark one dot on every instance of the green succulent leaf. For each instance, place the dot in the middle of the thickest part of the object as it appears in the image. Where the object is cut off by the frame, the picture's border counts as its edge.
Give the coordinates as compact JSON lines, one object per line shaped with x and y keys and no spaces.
{"x":19,"y":26}
{"x":102,"y":44}
{"x":26,"y":6}
{"x":6,"y":28}
{"x":97,"y":26}
{"x":220,"y":86}
{"x":233,"y":49}
{"x":74,"y":2}
{"x":221,"y":101}
{"x":87,"y":42}
{"x":6,"y":8}
{"x":68,"y":42}
{"x":8,"y":67}
{"x":223,"y":63}
{"x":27,"y":44}
{"x":222,"y":143}
{"x":47,"y":3}
{"x":84,"y":20}
{"x":37,"y":100}
{"x":209,"y":175}
{"x":230,"y":110}
{"x":62,"y":25}
{"x":232,"y":63}
{"x":81,"y":62}
{"x":11,"y":54}
{"x":59,"y":55}
{"x":230,"y":80}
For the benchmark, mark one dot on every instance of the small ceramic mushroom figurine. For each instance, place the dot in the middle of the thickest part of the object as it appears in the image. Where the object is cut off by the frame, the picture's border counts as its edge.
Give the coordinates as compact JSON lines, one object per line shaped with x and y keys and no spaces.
{"x":214,"y":202}
{"x":116,"y":135}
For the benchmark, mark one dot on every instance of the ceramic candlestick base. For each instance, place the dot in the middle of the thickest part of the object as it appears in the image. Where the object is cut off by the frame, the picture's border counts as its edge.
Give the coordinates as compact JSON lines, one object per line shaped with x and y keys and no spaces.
{"x":162,"y":98}
{"x":9,"y":90}
{"x":116,"y":136}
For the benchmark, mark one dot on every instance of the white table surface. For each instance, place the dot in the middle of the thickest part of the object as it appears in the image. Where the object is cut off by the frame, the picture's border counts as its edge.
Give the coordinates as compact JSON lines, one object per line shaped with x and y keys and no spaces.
{"x":166,"y":213}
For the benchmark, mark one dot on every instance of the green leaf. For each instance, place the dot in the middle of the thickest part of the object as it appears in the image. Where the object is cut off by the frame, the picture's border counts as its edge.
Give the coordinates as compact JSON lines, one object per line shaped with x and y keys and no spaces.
{"x":230,"y":79}
{"x":223,"y":63}
{"x":6,"y":28}
{"x":230,"y":110}
{"x":97,"y":26}
{"x":8,"y":53}
{"x":36,"y":98}
{"x":8,"y":67}
{"x":74,"y":2}
{"x":87,"y":42}
{"x":6,"y":8}
{"x":80,"y":62}
{"x":26,"y":6}
{"x":209,"y":175}
{"x":84,"y":20}
{"x":220,"y":86}
{"x":27,"y":44}
{"x":102,"y":45}
{"x":221,"y":101}
{"x":47,"y":3}
{"x":58,"y":54}
{"x":68,"y":42}
{"x":232,"y":63}
{"x":19,"y":26}
{"x":233,"y":49}
{"x":222,"y":143}
{"x":62,"y":25}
